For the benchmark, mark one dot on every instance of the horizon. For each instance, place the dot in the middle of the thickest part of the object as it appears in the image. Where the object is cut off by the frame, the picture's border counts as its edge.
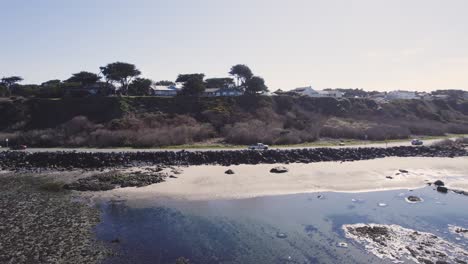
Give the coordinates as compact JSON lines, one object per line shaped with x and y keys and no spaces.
{"x":371,"y":45}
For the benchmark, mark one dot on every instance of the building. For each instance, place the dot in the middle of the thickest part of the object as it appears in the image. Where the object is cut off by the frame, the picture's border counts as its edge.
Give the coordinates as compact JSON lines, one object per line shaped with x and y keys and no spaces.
{"x":308,"y":91}
{"x":217,"y":92}
{"x":330,"y":93}
{"x":305,"y":91}
{"x":163,"y":90}
{"x":401,"y":95}
{"x":99,"y":88}
{"x":424,"y":96}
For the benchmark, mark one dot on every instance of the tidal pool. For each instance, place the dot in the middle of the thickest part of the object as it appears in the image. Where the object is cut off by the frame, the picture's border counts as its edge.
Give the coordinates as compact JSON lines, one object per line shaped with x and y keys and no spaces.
{"x":302,"y":228}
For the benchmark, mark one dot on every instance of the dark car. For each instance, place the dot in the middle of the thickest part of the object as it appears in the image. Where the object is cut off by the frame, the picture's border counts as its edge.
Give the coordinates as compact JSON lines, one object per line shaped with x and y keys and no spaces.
{"x":19,"y":147}
{"x":416,"y":142}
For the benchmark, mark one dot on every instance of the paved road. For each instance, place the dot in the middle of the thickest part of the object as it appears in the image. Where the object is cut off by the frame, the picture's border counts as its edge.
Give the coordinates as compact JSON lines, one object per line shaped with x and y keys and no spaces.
{"x":382,"y":145}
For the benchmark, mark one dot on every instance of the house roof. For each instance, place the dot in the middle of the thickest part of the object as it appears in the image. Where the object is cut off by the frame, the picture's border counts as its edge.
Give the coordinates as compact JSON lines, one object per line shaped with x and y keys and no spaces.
{"x":212,"y":90}
{"x":166,"y":87}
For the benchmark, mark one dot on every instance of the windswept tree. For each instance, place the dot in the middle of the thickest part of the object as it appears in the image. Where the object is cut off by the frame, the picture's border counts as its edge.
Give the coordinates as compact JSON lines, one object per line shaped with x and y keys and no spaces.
{"x":120,"y":72}
{"x":255,"y":85}
{"x":140,"y":87}
{"x":49,"y":83}
{"x":242,"y":73}
{"x":84,"y":78}
{"x":193,"y":84}
{"x":219,"y":82}
{"x":8,"y":82}
{"x":186,"y":77}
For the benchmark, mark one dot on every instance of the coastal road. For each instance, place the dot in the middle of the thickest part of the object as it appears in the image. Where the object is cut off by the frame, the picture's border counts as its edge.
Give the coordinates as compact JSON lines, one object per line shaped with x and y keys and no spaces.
{"x":370,"y":144}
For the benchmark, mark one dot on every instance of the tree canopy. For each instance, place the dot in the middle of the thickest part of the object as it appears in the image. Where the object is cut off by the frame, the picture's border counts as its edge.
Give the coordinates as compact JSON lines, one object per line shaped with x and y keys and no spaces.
{"x":256,"y":85}
{"x":140,"y":87}
{"x":193,"y":87}
{"x":165,"y":83}
{"x":84,"y":78}
{"x":186,"y":77}
{"x":9,"y":81}
{"x":219,"y":82}
{"x":54,"y":82}
{"x":120,"y":72}
{"x":242,"y":73}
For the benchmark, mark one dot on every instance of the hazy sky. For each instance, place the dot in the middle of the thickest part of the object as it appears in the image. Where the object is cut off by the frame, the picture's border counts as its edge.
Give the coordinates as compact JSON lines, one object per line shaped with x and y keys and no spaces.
{"x":370,"y":44}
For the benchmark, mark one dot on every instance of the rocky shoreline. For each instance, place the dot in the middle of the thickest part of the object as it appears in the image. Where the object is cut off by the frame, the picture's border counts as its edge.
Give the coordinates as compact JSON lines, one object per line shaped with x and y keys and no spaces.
{"x":24,"y":161}
{"x":40,"y":223}
{"x":398,"y":244}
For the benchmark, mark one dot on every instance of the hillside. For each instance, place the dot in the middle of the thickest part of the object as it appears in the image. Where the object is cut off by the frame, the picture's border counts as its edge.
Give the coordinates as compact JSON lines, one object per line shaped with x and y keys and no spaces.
{"x":156,"y":121}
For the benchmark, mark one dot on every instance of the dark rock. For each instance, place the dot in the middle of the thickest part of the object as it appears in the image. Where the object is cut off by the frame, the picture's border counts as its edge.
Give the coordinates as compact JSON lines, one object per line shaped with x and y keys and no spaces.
{"x":439,"y":183}
{"x":229,"y":171}
{"x":425,"y":261}
{"x":442,"y":189}
{"x":414,"y":199}
{"x":279,"y":169}
{"x":111,"y":180}
{"x":26,"y":161}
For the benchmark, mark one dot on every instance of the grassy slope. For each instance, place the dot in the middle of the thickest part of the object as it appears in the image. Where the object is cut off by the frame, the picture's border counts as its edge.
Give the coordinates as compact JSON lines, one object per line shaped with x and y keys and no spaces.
{"x":25,"y":114}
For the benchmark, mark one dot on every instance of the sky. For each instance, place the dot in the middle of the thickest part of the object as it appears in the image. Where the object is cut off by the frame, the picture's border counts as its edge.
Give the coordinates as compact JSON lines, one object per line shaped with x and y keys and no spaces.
{"x":371,"y":44}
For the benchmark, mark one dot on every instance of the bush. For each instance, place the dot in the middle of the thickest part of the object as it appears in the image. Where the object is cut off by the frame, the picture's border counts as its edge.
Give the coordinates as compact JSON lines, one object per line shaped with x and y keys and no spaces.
{"x":445,"y":143}
{"x":52,"y":186}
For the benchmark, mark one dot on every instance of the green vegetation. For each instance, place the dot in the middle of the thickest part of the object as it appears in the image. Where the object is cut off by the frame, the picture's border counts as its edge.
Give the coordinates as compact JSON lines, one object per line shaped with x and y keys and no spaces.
{"x":219,"y":122}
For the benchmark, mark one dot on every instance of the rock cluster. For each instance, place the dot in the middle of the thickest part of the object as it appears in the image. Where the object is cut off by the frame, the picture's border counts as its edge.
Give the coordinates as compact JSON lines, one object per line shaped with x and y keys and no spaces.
{"x":113,"y":179}
{"x":92,"y":160}
{"x":398,"y":244}
{"x":45,"y":227}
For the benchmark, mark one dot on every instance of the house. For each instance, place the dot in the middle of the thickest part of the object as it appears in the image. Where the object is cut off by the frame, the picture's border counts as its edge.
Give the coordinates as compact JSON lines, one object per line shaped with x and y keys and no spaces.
{"x":99,"y":88}
{"x":229,"y":92}
{"x":308,"y":91}
{"x":424,"y":96}
{"x":217,"y":92}
{"x":401,"y":95}
{"x":163,"y":90}
{"x":210,"y":92}
{"x":330,"y":93}
{"x":441,"y":96}
{"x":305,"y":91}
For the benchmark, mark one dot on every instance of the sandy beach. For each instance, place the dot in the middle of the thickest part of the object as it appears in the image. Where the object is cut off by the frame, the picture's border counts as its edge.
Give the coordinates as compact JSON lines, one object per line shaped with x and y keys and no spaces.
{"x":210,"y":182}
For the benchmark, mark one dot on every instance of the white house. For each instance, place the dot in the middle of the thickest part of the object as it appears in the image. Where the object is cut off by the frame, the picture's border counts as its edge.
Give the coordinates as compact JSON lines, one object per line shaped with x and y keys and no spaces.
{"x":308,"y":91}
{"x":401,"y":95}
{"x":163,"y":90}
{"x":330,"y":93}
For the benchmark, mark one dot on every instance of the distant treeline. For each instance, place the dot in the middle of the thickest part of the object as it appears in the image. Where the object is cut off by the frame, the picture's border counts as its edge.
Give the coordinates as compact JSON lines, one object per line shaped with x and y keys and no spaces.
{"x":124,"y":79}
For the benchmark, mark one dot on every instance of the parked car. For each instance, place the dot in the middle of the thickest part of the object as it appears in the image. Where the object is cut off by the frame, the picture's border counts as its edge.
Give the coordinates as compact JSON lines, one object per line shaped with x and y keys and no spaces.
{"x":18,"y":147}
{"x":416,"y":142}
{"x":258,"y":146}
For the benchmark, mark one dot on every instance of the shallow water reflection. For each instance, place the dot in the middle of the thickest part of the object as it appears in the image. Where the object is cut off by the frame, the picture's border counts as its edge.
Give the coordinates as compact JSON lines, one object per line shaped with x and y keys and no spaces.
{"x":303,"y":228}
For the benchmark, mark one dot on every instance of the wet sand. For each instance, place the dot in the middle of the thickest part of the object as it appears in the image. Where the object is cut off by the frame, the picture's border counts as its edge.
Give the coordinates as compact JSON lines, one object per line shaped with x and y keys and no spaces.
{"x":210,"y":182}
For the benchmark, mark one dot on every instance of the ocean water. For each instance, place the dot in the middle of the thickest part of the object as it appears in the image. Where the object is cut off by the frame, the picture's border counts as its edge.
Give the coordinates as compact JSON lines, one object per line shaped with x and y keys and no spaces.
{"x":302,"y":228}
